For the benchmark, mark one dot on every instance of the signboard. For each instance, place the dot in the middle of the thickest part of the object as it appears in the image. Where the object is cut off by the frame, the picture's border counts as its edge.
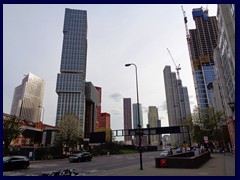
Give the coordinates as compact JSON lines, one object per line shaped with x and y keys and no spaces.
{"x":154,"y":131}
{"x":205,"y":138}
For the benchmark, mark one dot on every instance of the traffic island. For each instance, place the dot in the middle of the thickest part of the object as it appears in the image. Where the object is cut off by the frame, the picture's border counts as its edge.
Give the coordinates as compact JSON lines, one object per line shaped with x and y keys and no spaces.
{"x":183,"y":160}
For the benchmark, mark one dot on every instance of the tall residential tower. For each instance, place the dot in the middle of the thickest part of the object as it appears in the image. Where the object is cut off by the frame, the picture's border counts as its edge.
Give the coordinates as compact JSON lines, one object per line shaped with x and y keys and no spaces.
{"x":178,"y":105}
{"x":153,"y":123}
{"x":71,"y":79}
{"x":127,"y":112}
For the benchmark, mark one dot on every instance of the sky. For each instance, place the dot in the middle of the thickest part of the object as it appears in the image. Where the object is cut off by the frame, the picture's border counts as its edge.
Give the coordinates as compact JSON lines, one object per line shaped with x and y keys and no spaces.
{"x":117,"y":34}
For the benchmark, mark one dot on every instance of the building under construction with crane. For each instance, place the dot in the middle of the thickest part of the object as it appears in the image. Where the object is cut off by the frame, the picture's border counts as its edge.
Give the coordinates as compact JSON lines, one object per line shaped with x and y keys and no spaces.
{"x":201,"y":42}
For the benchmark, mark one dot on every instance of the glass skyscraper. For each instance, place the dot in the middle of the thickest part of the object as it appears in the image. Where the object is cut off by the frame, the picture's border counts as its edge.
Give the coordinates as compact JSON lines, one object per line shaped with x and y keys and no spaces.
{"x":71,"y":79}
{"x":135,"y":116}
{"x":28,"y":97}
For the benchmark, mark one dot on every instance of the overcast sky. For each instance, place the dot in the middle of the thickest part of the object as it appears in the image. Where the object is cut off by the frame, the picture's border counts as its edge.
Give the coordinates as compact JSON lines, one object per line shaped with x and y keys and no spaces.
{"x":117,"y":34}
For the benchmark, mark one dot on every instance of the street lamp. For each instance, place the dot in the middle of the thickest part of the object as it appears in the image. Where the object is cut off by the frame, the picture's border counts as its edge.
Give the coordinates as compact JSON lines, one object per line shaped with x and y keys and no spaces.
{"x":139,"y":124}
{"x":42,"y":114}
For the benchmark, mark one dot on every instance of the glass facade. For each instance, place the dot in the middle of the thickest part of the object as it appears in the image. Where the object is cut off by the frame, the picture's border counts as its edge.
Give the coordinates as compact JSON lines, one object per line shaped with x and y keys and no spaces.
{"x":28,"y":97}
{"x":71,"y":79}
{"x":135,"y":116}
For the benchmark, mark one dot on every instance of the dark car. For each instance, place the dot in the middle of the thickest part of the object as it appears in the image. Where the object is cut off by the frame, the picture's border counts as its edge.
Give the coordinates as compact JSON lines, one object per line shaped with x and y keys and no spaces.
{"x":79,"y":157}
{"x":15,"y":162}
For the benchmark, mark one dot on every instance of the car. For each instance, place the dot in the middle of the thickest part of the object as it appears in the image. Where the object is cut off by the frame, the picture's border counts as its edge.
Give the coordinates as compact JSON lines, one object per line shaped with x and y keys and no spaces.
{"x":170,"y":151}
{"x":81,"y":156}
{"x":15,"y":162}
{"x":165,"y":153}
{"x":202,"y":148}
{"x":179,"y":150}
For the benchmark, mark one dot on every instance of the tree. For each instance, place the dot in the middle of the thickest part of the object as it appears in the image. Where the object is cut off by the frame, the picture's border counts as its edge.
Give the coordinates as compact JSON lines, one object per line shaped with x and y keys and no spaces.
{"x":70,"y":134}
{"x":205,"y":122}
{"x":11,"y":130}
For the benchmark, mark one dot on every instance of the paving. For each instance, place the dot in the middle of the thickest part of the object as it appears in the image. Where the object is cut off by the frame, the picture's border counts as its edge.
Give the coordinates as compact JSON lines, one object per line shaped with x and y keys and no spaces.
{"x":219,"y":165}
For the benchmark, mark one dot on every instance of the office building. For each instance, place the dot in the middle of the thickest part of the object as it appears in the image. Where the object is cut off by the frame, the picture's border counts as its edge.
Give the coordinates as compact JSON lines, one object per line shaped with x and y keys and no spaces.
{"x":135,"y":116}
{"x":28,"y":98}
{"x":99,"y":107}
{"x":71,"y":79}
{"x":224,"y":57}
{"x":104,"y":123}
{"x":153,"y":123}
{"x":178,"y":105}
{"x":92,"y":101}
{"x":127,"y":115}
{"x":201,"y":42}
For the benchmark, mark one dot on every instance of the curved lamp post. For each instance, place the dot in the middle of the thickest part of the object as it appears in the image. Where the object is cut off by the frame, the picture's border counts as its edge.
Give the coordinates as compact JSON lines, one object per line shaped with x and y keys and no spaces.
{"x":139,"y":124}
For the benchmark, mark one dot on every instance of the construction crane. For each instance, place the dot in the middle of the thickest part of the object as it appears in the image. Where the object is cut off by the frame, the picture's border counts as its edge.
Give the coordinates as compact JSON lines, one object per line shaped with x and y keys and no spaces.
{"x":177,"y":67}
{"x":187,"y":33}
{"x":186,"y":27}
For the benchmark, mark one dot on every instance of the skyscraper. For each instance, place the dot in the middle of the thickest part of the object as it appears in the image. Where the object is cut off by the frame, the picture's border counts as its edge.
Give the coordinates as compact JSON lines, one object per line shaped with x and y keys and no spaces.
{"x":127,"y":114}
{"x":202,"y":41}
{"x":71,"y":79}
{"x":178,"y":106}
{"x":153,"y":123}
{"x":135,"y":115}
{"x":224,"y":57}
{"x":28,"y":97}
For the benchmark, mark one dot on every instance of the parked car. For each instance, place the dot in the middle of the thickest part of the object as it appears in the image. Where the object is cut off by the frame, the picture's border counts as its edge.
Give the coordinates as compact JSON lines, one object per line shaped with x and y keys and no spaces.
{"x":82,"y":156}
{"x":170,"y":151}
{"x":179,"y":150}
{"x":15,"y":162}
{"x":165,"y":153}
{"x":202,"y":148}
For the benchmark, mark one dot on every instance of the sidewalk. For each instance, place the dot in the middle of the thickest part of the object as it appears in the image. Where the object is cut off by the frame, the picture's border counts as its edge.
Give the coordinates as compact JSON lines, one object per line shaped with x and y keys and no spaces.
{"x":218,"y":165}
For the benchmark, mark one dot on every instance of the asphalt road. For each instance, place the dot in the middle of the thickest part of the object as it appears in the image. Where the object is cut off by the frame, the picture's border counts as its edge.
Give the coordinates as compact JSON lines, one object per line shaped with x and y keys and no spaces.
{"x":97,"y":165}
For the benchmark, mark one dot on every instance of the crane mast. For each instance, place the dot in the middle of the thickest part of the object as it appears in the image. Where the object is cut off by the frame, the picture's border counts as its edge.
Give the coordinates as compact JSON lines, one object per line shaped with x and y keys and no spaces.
{"x":187,"y":32}
{"x":176,"y":67}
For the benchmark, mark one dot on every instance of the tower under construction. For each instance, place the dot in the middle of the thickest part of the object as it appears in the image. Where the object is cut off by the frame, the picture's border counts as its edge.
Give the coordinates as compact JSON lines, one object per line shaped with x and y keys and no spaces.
{"x":201,"y":43}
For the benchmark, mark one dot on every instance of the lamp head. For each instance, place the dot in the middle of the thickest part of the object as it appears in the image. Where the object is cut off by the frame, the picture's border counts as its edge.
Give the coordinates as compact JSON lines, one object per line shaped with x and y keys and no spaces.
{"x":128,"y":65}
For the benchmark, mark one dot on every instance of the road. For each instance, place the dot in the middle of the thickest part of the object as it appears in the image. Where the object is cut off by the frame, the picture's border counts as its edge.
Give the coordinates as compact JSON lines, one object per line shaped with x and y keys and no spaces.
{"x":98,"y":164}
